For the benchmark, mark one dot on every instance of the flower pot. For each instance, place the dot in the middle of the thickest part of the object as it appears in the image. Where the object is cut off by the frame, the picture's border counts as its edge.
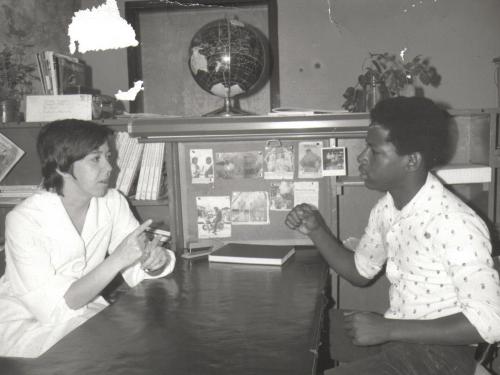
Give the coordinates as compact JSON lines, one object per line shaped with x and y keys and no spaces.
{"x":9,"y":110}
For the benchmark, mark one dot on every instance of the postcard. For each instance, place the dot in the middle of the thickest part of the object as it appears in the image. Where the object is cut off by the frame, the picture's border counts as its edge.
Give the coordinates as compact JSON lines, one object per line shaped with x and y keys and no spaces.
{"x":333,"y":161}
{"x":310,"y":159}
{"x":250,"y":207}
{"x":281,"y":196}
{"x":10,"y":154}
{"x":214,"y":216}
{"x":236,"y":165}
{"x":278,"y":163}
{"x":306,"y":192}
{"x":202,"y":166}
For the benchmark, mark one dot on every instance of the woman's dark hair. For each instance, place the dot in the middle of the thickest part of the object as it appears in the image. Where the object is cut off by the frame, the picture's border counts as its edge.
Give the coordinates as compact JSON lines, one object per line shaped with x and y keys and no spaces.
{"x":61,"y":143}
{"x":415,"y":124}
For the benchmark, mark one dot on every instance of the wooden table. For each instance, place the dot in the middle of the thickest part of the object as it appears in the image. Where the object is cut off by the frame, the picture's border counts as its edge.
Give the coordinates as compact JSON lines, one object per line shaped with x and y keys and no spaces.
{"x":205,"y":318}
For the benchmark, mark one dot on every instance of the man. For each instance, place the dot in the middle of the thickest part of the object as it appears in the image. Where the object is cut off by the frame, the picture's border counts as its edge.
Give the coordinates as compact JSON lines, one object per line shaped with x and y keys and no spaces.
{"x":217,"y":219}
{"x":445,"y":293}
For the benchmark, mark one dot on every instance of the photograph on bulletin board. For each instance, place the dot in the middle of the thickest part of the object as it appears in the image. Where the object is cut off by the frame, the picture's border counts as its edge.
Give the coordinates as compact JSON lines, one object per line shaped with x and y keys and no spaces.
{"x":281,"y":196}
{"x":279,"y":163}
{"x":213,"y":216}
{"x":237,"y":165}
{"x":310,"y":159}
{"x":202,"y":166}
{"x":249,"y":208}
{"x":333,"y":161}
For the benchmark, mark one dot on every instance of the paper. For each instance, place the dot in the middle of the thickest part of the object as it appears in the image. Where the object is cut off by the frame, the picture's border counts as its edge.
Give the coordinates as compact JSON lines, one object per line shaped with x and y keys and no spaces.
{"x":278,"y":163}
{"x":10,"y":154}
{"x":213,"y":216}
{"x":236,"y":165}
{"x":249,"y":207}
{"x":281,"y":196}
{"x":58,"y":107}
{"x":333,"y":161}
{"x":310,"y":159}
{"x":100,"y":28}
{"x":202,"y":166}
{"x":306,"y":192}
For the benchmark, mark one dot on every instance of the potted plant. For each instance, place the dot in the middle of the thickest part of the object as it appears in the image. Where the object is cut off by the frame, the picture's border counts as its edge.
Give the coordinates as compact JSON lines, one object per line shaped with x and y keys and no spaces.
{"x":387,"y":75}
{"x":16,"y":80}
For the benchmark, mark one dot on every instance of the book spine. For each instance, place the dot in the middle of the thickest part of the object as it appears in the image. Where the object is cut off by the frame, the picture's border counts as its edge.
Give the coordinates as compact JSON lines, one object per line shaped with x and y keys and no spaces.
{"x":142,"y":174}
{"x":133,"y":167}
{"x":158,"y":170}
{"x":128,"y":144}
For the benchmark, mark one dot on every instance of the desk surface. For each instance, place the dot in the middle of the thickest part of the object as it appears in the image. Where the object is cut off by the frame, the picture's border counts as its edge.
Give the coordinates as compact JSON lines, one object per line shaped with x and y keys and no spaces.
{"x":206,"y":318}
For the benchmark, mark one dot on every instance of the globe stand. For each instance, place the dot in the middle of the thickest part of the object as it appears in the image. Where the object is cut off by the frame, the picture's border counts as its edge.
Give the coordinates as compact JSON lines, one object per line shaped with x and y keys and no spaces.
{"x":227,"y":110}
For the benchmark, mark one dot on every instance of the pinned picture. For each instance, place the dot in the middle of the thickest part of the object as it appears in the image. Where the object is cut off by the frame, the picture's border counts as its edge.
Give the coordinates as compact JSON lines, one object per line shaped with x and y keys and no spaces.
{"x":250,"y":208}
{"x":333,"y":161}
{"x":310,"y":159}
{"x":278,"y":163}
{"x":214,"y":216}
{"x":202,"y":166}
{"x":306,"y":192}
{"x":281,"y":196}
{"x":235,"y":165}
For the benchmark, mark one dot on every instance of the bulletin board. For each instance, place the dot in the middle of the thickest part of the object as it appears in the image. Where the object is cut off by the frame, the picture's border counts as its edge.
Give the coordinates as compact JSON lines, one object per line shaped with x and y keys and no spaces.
{"x":235,"y":181}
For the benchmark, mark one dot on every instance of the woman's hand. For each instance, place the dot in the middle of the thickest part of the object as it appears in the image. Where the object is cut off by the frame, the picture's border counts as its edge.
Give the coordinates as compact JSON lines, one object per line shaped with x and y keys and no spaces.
{"x":154,"y":257}
{"x":131,"y":249}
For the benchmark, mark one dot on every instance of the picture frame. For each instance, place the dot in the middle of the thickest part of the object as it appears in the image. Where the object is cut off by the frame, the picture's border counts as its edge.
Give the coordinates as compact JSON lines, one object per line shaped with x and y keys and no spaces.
{"x":161,"y":60}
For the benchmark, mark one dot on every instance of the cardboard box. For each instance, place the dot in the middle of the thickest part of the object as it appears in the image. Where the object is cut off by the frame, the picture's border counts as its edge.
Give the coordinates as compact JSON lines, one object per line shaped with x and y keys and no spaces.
{"x":57,"y":107}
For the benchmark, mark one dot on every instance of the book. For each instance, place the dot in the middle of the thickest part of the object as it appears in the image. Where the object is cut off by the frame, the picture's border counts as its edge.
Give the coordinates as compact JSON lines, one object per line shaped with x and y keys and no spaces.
{"x":18,"y":191}
{"x":246,"y":253}
{"x":158,"y":171}
{"x":10,"y":154}
{"x":124,"y":152}
{"x":71,"y":72}
{"x":464,"y":173}
{"x":143,"y":181}
{"x":132,"y":166}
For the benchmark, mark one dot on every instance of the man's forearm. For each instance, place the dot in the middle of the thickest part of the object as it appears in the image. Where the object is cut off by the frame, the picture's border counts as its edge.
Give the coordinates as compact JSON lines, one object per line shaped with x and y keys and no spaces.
{"x":337,"y":256}
{"x":449,"y":330}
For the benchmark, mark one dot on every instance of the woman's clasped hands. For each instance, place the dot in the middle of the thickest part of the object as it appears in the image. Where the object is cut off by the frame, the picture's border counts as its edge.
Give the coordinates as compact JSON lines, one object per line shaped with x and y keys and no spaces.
{"x":137,"y":248}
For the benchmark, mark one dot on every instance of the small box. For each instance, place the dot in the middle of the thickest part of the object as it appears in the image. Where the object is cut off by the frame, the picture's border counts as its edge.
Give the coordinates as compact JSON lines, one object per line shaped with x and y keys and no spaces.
{"x":57,"y":107}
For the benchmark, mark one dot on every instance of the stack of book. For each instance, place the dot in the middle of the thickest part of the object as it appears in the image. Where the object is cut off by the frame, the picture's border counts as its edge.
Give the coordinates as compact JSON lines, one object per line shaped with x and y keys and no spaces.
{"x":141,"y":168}
{"x":62,"y":74}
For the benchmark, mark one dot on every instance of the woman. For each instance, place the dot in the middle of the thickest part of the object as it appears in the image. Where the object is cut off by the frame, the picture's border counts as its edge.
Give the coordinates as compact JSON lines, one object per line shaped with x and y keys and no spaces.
{"x":56,"y":242}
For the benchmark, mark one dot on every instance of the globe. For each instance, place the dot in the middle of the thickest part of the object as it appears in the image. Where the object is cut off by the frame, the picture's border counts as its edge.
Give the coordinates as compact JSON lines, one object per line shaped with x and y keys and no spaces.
{"x":229,"y":58}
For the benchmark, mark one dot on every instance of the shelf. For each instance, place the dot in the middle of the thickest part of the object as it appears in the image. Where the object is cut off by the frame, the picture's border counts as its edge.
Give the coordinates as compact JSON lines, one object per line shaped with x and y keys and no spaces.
{"x":192,"y":129}
{"x":455,"y":174}
{"x":157,"y":202}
